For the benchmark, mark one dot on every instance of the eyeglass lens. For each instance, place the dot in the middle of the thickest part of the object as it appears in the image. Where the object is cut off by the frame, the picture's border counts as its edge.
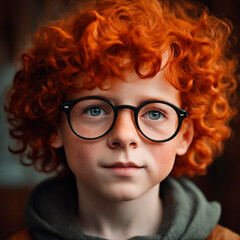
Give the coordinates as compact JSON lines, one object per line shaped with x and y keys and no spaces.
{"x":91,"y":118}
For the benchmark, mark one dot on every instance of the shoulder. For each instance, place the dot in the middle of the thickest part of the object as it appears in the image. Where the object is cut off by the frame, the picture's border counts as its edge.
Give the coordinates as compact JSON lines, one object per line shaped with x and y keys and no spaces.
{"x":22,"y":235}
{"x":221,"y":233}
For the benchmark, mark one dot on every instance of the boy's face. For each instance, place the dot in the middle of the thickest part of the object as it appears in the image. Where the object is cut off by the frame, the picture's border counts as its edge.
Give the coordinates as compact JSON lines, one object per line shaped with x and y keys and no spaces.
{"x":105,"y":166}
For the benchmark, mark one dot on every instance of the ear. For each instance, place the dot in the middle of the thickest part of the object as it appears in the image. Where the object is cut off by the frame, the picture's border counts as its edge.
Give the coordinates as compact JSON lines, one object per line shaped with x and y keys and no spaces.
{"x":186,"y":136}
{"x":56,"y":139}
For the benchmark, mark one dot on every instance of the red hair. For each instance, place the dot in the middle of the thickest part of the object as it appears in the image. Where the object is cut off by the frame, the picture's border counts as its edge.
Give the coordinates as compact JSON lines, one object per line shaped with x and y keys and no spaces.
{"x":81,"y":49}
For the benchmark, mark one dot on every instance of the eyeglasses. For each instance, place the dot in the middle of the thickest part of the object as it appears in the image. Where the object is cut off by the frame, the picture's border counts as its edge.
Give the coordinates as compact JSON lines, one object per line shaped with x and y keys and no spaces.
{"x":93,"y":117}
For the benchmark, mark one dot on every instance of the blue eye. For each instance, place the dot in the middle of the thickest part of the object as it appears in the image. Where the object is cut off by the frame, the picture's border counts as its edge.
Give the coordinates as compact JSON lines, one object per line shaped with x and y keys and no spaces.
{"x":95,"y":112}
{"x":154,"y":115}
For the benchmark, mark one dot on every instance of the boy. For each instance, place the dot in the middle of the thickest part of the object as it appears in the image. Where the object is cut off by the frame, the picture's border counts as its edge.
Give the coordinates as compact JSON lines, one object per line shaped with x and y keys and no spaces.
{"x":116,"y":97}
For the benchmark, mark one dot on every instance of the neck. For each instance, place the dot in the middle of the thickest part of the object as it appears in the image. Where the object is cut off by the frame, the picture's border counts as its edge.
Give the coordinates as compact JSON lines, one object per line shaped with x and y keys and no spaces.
{"x":119,"y":219}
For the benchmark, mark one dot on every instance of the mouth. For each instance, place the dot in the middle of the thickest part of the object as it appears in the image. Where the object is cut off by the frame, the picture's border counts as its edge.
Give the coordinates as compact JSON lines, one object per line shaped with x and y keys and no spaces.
{"x":123,"y":165}
{"x":124,"y":168}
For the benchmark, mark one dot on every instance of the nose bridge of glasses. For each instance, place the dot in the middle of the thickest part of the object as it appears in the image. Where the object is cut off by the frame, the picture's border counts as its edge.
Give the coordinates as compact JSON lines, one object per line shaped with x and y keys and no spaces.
{"x":120,"y":107}
{"x":133,"y":108}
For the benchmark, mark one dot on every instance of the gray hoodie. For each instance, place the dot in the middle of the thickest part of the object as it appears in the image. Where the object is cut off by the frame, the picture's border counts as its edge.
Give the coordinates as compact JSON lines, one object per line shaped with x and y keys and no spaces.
{"x":52,"y":208}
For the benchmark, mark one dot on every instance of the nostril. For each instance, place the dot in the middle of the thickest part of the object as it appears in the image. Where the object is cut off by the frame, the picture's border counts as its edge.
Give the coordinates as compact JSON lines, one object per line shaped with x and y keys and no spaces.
{"x":121,"y":144}
{"x":116,"y":144}
{"x":133,"y":144}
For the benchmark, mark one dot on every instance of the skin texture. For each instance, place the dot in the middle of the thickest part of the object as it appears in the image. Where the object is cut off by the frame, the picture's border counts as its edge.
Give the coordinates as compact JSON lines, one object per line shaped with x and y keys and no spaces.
{"x":111,"y":196}
{"x":94,"y":42}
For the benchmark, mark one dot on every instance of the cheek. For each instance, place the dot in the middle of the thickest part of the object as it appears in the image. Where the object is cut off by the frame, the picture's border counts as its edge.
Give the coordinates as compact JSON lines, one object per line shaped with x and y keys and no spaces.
{"x":79,"y":153}
{"x":164,"y":155}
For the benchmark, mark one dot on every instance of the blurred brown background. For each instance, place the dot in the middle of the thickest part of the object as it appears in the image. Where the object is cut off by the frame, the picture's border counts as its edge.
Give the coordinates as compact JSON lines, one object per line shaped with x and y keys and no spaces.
{"x":18,"y":19}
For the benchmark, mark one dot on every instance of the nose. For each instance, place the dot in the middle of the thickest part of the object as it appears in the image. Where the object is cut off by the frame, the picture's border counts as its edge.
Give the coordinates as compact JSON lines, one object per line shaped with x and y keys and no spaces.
{"x":124,"y":133}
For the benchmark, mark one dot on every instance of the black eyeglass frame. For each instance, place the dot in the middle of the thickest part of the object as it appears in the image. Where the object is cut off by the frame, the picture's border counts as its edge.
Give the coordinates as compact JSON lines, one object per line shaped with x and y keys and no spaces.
{"x":66,"y":107}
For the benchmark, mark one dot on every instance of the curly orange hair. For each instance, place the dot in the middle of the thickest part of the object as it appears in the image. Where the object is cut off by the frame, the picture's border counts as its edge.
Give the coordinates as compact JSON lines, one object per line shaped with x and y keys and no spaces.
{"x":93,"y":42}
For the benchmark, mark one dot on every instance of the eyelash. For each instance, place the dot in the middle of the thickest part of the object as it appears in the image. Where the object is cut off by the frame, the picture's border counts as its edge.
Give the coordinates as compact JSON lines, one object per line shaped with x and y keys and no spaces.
{"x":88,"y":109}
{"x":162,"y":115}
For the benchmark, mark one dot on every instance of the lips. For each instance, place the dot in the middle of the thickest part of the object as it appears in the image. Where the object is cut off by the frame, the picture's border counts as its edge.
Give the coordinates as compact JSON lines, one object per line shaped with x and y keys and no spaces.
{"x":123,"y":165}
{"x":123,"y":168}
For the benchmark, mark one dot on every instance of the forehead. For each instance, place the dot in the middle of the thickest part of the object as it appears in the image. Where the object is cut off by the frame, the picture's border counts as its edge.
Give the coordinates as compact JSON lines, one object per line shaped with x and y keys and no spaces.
{"x":134,"y":90}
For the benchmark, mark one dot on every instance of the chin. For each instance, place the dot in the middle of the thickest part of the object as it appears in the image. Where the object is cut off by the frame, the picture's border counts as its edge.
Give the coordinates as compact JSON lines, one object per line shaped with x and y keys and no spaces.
{"x":121,"y":195}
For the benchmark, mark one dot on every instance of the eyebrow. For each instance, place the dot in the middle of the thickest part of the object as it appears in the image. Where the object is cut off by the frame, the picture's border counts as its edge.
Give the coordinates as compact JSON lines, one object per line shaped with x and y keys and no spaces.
{"x":143,"y":99}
